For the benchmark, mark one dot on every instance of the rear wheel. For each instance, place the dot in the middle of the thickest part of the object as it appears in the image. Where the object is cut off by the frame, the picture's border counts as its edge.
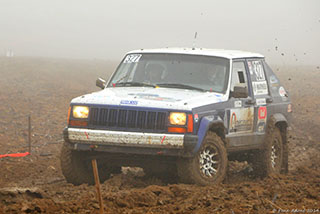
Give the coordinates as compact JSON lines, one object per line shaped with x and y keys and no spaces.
{"x":208,"y":166}
{"x":273,"y":158}
{"x":78,"y":170}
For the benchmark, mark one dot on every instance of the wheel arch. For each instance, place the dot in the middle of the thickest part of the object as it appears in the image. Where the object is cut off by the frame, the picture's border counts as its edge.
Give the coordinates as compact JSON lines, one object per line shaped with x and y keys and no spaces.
{"x":218,"y":128}
{"x":210,"y":123}
{"x":279,"y":120}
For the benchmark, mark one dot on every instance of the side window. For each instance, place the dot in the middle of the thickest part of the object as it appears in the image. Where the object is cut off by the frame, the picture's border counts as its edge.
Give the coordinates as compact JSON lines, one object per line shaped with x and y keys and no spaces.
{"x":258,"y":79}
{"x":239,"y":77}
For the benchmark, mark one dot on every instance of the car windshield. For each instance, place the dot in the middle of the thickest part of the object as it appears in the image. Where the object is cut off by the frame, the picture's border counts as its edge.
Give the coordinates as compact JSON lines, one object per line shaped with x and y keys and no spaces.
{"x":193,"y":72}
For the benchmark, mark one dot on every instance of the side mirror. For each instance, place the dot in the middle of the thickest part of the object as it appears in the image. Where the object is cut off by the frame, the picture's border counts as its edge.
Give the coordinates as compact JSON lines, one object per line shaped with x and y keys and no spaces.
{"x":240,"y":92}
{"x":101,"y":83}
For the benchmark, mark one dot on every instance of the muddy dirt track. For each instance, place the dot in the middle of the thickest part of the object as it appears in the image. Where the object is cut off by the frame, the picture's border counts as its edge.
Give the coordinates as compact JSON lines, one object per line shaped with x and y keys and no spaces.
{"x":43,"y":88}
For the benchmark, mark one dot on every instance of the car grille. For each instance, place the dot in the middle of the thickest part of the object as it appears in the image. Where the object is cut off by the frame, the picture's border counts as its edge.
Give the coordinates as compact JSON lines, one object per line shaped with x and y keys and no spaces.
{"x":132,"y":119}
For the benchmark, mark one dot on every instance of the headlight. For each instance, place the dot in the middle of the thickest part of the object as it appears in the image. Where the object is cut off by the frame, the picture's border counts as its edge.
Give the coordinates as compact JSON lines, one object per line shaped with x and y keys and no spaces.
{"x":178,"y":118}
{"x":80,"y":111}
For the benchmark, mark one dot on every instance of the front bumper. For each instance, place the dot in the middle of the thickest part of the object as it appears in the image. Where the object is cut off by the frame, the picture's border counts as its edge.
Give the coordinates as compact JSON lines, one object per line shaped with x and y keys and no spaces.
{"x":130,"y":142}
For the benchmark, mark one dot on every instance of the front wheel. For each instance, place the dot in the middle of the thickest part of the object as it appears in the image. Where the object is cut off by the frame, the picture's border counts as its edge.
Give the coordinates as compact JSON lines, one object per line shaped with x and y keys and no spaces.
{"x":76,"y":169}
{"x":208,"y":166}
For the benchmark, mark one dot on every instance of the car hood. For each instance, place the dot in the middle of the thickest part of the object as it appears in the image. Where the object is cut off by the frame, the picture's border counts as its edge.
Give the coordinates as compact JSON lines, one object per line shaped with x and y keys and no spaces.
{"x":166,"y":98}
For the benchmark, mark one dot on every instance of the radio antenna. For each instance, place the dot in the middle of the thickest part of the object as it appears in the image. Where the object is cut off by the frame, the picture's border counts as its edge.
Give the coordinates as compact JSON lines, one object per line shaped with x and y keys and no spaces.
{"x":194,"y":41}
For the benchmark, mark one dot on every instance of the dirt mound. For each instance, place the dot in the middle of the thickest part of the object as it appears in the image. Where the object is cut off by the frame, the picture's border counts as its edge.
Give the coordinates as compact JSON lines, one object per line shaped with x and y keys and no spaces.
{"x":34,"y":184}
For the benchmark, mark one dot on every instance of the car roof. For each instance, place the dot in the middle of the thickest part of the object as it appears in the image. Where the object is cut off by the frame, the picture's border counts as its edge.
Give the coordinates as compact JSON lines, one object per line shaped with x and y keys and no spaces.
{"x":229,"y":54}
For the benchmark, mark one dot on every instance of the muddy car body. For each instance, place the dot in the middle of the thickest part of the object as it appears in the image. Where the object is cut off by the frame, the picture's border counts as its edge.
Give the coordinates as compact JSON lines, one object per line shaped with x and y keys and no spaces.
{"x":180,"y":113}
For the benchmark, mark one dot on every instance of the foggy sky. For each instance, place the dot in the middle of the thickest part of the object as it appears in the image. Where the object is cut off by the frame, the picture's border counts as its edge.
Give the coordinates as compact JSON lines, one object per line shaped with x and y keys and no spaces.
{"x":107,"y":29}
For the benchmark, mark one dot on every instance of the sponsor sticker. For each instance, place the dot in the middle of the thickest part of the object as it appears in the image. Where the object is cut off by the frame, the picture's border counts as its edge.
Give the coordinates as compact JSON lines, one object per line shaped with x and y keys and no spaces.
{"x":260,"y":88}
{"x":261,"y":101}
{"x":196,"y":118}
{"x":262,"y":119}
{"x":237,"y":104}
{"x":262,"y":113}
{"x":128,"y":102}
{"x":282,"y":92}
{"x":273,"y":79}
{"x":274,"y":82}
{"x":153,"y":97}
{"x":261,"y":127}
{"x":132,"y":58}
{"x":241,"y":120}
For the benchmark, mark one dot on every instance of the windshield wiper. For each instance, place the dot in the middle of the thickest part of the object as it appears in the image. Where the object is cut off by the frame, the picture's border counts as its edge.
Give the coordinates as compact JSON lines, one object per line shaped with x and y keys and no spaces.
{"x":135,"y":84}
{"x":178,"y":85}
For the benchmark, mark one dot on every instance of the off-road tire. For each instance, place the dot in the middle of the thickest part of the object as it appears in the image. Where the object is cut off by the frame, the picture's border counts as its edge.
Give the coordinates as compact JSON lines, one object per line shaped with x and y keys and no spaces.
{"x":76,"y":170}
{"x":285,"y":157}
{"x":193,"y":170}
{"x":273,"y":158}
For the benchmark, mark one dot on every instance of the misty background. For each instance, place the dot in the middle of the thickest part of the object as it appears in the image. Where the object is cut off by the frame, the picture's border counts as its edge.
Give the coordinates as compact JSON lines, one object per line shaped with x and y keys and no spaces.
{"x":287,"y":32}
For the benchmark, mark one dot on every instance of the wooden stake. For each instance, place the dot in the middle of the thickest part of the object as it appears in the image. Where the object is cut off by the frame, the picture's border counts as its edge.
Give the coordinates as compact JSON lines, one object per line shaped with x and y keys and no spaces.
{"x":29,"y":131}
{"x":97,"y":181}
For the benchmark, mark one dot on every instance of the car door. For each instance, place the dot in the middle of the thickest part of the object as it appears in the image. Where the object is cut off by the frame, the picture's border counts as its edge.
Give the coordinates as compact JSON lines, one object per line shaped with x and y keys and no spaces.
{"x":241,"y":115}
